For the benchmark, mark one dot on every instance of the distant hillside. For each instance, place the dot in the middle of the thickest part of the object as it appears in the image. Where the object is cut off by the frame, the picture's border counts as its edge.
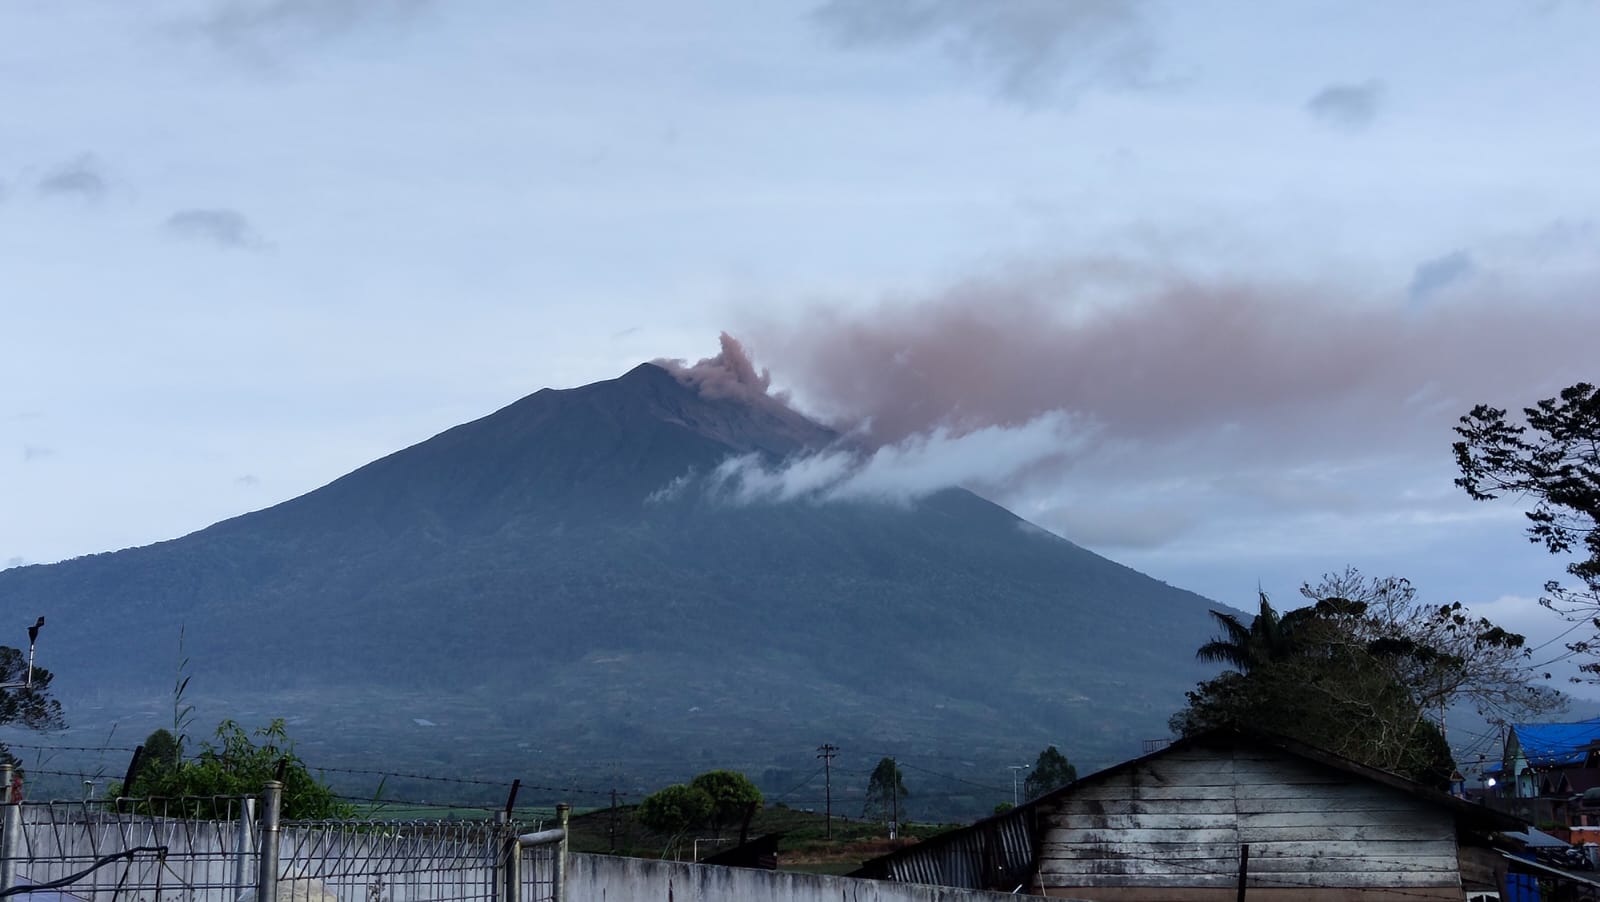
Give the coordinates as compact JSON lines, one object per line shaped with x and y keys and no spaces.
{"x":513,"y":584}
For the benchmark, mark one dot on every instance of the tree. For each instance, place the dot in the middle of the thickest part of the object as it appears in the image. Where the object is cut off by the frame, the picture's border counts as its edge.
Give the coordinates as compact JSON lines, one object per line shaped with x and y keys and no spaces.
{"x":162,"y":749}
{"x":237,"y":764}
{"x":31,"y":707}
{"x":1442,"y":654}
{"x":1553,"y":459}
{"x":1358,"y":671}
{"x":1269,"y":638}
{"x":673,"y":810}
{"x":886,"y":790}
{"x":1051,"y":771}
{"x":733,"y":797}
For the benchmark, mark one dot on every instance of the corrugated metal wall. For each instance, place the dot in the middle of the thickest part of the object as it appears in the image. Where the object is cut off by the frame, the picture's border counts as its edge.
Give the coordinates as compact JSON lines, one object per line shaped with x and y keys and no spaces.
{"x":996,"y":854}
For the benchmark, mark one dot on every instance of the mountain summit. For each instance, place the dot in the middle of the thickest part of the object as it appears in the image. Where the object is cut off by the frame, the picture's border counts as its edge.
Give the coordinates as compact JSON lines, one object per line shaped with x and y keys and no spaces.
{"x":526,"y":582}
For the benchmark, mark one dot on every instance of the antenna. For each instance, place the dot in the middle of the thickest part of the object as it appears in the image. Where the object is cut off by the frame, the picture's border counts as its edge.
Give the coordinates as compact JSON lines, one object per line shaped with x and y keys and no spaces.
{"x":33,"y":639}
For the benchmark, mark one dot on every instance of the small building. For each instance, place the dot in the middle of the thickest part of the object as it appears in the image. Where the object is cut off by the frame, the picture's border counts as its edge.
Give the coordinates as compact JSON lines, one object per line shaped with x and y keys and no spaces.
{"x":1549,"y":760}
{"x":1196,"y":818}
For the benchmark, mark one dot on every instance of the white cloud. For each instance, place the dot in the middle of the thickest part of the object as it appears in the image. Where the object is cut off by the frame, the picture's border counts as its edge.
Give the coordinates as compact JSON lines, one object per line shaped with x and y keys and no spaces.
{"x":912,"y":468}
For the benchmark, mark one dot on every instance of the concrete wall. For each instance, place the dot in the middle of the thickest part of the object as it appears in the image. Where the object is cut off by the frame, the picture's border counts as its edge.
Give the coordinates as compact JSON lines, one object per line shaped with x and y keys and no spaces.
{"x":604,"y":878}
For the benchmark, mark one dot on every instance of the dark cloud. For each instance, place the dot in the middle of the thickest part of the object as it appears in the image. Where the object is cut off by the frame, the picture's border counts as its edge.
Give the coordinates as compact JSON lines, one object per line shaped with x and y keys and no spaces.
{"x":1433,"y":276}
{"x":224,"y":227}
{"x":1035,"y":50}
{"x":36,"y":452}
{"x":257,"y":26}
{"x":14,"y":561}
{"x":248,"y":481}
{"x":1351,"y":107}
{"x":80,"y":178}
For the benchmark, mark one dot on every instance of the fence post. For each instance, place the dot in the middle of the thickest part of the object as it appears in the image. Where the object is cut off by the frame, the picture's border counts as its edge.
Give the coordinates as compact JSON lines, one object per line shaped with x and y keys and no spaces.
{"x":508,"y":859}
{"x":242,"y":846}
{"x":10,"y":833}
{"x":267,"y":869}
{"x":558,"y":891}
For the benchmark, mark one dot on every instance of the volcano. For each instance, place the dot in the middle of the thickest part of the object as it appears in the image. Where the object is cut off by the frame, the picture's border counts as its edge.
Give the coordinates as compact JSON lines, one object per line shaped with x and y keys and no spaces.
{"x":522,"y":592}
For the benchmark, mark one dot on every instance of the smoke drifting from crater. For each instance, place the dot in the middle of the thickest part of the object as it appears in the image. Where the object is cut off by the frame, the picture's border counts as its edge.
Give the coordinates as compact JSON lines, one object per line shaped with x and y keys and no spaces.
{"x":1228,"y":412}
{"x":730,"y":374}
{"x":1165,"y":361}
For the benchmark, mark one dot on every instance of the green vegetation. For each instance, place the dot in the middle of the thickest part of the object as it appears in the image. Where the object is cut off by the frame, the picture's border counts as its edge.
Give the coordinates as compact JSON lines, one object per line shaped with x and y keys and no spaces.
{"x":1358,"y":672}
{"x":237,"y":764}
{"x":804,"y":846}
{"x":1553,"y":457}
{"x":30,"y":707}
{"x":886,"y":792}
{"x":1050,"y":771}
{"x":711,"y":800}
{"x":675,"y":809}
{"x":733,"y":798}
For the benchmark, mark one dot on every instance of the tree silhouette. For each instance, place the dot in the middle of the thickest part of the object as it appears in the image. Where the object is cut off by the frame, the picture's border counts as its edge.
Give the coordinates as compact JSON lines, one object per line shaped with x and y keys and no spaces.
{"x":886,"y":789}
{"x":1552,"y":458}
{"x":1050,"y":772}
{"x":1270,"y":638}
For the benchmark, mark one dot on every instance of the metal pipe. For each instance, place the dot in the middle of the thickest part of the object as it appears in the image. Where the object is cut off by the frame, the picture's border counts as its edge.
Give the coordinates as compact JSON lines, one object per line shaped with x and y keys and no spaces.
{"x":558,"y":892}
{"x":10,"y":833}
{"x":267,"y":873}
{"x":543,"y":837}
{"x":243,"y":846}
{"x":509,"y":859}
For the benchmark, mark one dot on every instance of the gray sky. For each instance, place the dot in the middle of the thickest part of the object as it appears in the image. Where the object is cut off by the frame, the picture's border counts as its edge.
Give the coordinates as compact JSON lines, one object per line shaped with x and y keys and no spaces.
{"x":1200,"y":285}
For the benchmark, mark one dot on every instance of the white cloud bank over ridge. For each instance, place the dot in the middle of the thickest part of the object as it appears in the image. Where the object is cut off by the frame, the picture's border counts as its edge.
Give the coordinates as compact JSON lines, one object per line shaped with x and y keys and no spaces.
{"x":906,"y":470}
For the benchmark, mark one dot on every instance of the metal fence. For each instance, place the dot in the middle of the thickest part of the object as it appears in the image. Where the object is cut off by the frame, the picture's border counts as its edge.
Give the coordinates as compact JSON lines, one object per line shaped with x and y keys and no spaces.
{"x":236,"y":850}
{"x":542,"y":863}
{"x":101,"y":851}
{"x":390,"y":861}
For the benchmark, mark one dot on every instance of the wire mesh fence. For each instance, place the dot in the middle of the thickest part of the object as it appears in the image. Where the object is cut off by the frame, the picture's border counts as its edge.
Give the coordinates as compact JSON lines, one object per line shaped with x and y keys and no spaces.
{"x":160,"y":851}
{"x":540,"y":872}
{"x":108,"y":850}
{"x":392,"y":861}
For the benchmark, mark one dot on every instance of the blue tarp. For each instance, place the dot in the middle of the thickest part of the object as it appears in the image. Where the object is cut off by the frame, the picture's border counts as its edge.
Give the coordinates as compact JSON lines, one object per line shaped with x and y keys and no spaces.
{"x":1522,"y":888}
{"x":1557,"y":744}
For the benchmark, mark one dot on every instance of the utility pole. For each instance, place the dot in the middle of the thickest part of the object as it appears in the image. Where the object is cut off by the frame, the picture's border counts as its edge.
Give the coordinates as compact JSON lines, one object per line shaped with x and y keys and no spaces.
{"x":613,"y":830}
{"x":1014,"y":769}
{"x":826,"y":751}
{"x":894,"y":796}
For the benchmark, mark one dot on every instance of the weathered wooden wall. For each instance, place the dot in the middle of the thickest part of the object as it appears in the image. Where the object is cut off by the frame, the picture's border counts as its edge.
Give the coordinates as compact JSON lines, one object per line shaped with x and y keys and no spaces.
{"x":1179,"y":820}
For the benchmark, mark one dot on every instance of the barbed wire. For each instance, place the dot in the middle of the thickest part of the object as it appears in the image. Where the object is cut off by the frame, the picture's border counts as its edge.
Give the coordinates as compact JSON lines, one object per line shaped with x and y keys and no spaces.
{"x":67,"y":748}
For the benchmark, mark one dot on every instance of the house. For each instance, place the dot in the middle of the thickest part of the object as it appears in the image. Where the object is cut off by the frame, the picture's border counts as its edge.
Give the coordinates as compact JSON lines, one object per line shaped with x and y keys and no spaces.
{"x":1543,"y":760}
{"x":1197,"y":818}
{"x":1549,"y":773}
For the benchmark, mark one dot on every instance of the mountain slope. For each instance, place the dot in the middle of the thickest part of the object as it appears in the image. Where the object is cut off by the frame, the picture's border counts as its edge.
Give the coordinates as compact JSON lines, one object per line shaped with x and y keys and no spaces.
{"x":523,"y":581}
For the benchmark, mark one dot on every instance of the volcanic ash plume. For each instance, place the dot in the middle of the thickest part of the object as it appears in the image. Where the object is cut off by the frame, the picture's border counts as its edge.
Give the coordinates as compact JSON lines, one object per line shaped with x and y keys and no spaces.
{"x":859,"y":467}
{"x":730,"y":375}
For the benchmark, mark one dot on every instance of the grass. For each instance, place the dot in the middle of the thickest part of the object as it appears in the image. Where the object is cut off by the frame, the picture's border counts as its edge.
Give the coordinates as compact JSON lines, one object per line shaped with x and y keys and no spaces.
{"x":806,"y":844}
